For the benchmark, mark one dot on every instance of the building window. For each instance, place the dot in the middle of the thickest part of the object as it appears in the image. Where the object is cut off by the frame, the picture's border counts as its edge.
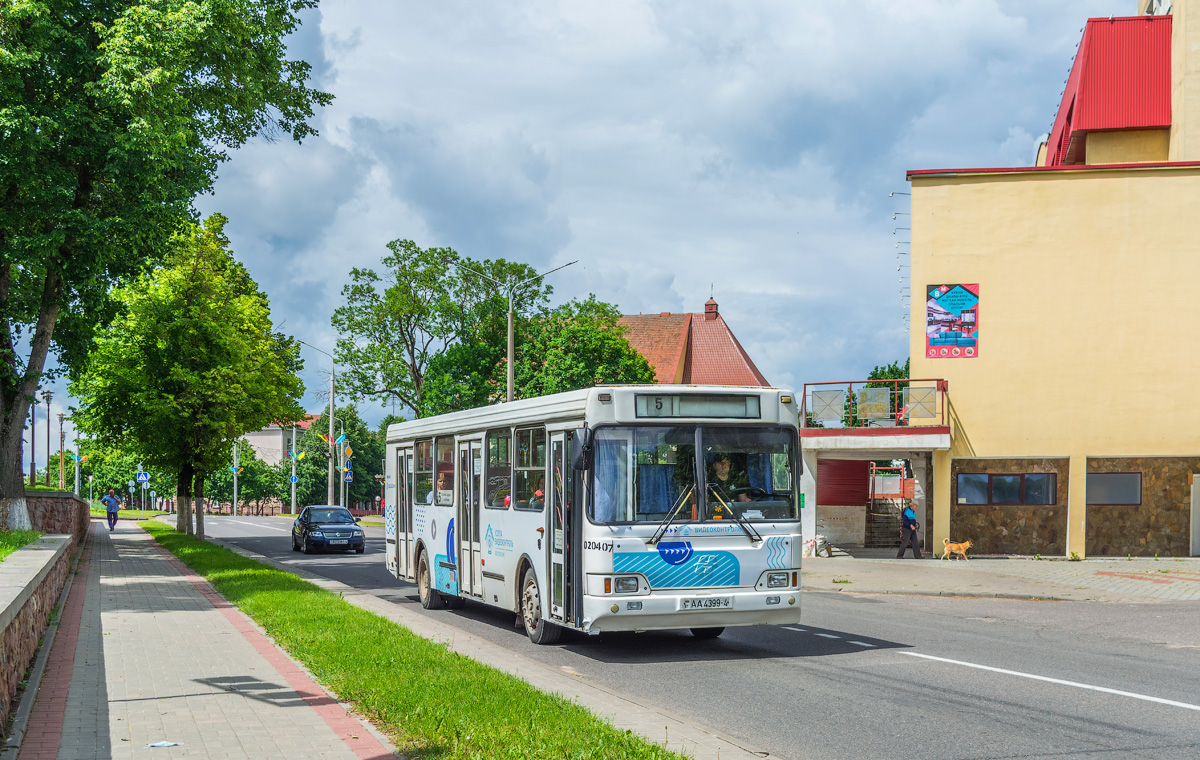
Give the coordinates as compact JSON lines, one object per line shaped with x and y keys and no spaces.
{"x":1124,"y":488}
{"x":1032,"y":488}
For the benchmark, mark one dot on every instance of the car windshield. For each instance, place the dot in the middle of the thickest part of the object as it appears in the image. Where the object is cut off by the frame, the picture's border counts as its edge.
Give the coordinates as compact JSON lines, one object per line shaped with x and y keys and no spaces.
{"x":330,"y":516}
{"x":641,"y":474}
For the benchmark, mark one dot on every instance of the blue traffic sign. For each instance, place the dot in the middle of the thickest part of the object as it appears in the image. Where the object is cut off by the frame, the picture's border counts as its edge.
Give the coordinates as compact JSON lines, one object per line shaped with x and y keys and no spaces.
{"x":294,"y":478}
{"x":143,"y":477}
{"x":348,"y":476}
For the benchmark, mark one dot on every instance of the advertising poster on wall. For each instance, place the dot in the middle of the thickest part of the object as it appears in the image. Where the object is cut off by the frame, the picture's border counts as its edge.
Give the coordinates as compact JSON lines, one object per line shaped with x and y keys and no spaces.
{"x":952,"y":321}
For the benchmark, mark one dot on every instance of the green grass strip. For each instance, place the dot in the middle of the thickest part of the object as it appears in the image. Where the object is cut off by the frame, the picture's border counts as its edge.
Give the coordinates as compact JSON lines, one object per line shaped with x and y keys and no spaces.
{"x":430,"y":701}
{"x":11,"y":540}
{"x":129,"y":514}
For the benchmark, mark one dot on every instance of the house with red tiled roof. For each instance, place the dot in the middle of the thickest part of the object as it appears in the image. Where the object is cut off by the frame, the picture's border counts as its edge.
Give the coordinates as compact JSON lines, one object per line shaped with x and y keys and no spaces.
{"x":697,"y":348}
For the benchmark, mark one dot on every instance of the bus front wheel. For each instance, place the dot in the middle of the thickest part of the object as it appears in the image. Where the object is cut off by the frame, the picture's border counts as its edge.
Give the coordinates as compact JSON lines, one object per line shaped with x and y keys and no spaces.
{"x":430,"y":599}
{"x":539,"y":630}
{"x":707,"y":633}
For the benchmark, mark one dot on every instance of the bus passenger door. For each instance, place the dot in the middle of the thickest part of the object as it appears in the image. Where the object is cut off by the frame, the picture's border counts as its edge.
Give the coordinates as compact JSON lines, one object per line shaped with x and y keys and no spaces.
{"x":403,"y":514}
{"x":559,"y":519}
{"x":470,"y":473}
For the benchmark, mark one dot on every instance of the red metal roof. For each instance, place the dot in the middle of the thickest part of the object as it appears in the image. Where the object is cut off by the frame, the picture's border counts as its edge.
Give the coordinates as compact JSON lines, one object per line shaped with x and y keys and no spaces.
{"x":1034,"y":169}
{"x":1121,"y":79}
{"x":696,"y":348}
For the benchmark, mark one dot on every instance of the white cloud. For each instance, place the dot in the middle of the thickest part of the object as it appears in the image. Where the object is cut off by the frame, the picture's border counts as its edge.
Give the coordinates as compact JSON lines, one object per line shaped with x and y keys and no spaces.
{"x":670,"y":147}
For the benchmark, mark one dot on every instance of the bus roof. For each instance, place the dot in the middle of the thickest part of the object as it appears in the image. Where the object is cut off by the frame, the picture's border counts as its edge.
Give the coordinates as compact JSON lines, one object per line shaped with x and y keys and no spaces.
{"x":557,"y":407}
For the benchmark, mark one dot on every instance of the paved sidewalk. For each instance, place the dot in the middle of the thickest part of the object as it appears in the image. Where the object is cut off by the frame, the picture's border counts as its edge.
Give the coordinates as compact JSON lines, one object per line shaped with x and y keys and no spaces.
{"x":146,"y":652}
{"x":1092,"y":580}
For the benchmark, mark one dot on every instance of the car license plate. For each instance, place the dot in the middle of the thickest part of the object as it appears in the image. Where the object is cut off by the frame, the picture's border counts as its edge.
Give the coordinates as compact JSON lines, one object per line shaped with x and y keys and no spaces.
{"x":707,"y":603}
{"x":339,"y":541}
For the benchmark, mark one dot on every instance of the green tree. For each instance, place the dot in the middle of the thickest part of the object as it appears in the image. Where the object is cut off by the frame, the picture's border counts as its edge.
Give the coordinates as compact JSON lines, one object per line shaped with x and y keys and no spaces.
{"x":258,"y":482}
{"x":114,"y":114}
{"x":190,"y":364}
{"x":367,"y":451}
{"x":576,"y":345}
{"x":112,"y":467}
{"x":428,"y":300}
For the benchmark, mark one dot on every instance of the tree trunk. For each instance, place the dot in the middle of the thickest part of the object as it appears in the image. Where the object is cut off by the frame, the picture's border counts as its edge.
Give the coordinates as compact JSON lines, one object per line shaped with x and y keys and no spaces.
{"x":15,"y":396}
{"x":200,"y":500}
{"x":183,"y":510}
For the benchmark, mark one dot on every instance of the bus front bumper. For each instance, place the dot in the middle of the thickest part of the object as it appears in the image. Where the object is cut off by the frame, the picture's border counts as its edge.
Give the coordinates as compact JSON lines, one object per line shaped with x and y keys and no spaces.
{"x":661,"y":610}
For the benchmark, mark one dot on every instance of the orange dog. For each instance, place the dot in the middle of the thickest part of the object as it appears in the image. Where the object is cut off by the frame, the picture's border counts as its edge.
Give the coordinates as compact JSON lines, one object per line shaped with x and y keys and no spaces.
{"x":960,"y":549}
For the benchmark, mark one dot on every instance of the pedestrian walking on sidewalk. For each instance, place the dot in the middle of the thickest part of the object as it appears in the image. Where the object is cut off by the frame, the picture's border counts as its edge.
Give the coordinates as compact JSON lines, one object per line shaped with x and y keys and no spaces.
{"x":112,"y":506}
{"x":908,"y":533}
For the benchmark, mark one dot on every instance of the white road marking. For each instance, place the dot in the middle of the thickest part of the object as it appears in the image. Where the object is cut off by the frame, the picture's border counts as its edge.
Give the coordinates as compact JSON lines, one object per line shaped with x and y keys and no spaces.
{"x":827,"y":636}
{"x":257,"y":525}
{"x":1061,"y":682}
{"x":789,"y":628}
{"x":862,"y":643}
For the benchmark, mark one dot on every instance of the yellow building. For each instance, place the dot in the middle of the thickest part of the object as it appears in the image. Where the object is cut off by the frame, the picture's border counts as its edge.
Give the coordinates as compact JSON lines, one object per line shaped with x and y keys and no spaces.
{"x":1059,"y":303}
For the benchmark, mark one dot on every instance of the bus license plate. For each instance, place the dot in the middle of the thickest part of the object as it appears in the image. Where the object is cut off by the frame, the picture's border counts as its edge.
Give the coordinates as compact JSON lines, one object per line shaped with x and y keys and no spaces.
{"x":339,"y":540}
{"x":707,"y":603}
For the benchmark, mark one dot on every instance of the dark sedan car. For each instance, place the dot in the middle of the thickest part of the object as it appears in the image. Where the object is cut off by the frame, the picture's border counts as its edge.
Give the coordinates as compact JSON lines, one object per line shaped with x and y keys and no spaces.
{"x":324,"y":526}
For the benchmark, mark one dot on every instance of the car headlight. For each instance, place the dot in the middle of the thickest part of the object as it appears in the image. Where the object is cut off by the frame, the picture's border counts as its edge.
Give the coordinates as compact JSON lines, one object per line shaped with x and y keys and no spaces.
{"x":626,"y":585}
{"x":777,"y":580}
{"x":358,"y":532}
{"x":317,"y":534}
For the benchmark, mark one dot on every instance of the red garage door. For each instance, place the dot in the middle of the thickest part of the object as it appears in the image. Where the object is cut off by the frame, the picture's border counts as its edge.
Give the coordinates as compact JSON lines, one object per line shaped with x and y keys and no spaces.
{"x":843,"y":482}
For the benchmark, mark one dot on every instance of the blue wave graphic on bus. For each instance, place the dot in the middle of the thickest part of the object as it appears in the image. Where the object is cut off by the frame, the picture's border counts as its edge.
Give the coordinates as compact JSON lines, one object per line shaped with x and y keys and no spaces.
{"x":450,"y":541}
{"x":675,"y":552}
{"x":776,"y":552}
{"x":698,"y":570}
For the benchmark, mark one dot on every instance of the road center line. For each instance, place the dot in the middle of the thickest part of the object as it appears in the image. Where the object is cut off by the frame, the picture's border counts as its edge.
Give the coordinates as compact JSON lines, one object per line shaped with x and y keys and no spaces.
{"x":828,"y":636}
{"x":862,"y":643}
{"x":789,"y":628}
{"x":247,"y":522}
{"x":1061,"y":682}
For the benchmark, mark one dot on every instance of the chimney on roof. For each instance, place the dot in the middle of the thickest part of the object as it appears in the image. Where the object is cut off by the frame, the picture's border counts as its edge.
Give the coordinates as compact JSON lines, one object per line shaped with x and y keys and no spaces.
{"x":710,"y":310}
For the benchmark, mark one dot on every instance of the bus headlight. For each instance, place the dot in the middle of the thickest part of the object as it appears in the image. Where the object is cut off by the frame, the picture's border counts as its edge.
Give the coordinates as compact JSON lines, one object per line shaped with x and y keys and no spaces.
{"x":777,"y":580}
{"x":626,"y":585}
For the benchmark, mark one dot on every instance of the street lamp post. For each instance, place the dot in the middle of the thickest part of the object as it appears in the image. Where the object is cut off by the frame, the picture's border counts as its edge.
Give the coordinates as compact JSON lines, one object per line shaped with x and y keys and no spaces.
{"x":33,"y":441}
{"x":62,"y":445}
{"x":46,"y":396}
{"x":512,"y":286}
{"x":341,"y":454}
{"x":293,"y":458}
{"x":235,"y":473}
{"x":329,"y":492}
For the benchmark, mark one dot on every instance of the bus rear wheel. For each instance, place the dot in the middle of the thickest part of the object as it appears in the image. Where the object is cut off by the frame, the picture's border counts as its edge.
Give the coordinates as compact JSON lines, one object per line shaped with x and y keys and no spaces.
{"x":707,"y":633}
{"x":430,"y":599}
{"x":540,"y":631}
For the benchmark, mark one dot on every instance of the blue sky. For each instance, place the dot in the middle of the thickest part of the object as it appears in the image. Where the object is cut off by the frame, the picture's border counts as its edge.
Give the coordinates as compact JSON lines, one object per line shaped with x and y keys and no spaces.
{"x":671,"y":147}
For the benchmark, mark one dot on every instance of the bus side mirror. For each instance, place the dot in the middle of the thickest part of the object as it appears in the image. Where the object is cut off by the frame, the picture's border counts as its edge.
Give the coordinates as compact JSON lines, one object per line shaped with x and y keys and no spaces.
{"x":581,"y":449}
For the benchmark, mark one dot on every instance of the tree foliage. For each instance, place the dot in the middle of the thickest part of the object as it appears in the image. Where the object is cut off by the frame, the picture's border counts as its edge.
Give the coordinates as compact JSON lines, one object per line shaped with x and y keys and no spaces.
{"x":428,"y":301}
{"x":366,"y":445}
{"x":191,"y":363}
{"x":114,"y":115}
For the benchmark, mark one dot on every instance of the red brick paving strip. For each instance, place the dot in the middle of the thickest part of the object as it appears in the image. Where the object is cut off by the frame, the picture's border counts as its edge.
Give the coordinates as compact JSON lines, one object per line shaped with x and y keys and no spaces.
{"x":349,"y":729}
{"x":44,"y":733}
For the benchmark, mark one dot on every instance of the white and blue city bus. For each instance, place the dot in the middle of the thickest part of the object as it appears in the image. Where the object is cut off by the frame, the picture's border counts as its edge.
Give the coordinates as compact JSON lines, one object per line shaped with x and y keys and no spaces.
{"x":615,"y":508}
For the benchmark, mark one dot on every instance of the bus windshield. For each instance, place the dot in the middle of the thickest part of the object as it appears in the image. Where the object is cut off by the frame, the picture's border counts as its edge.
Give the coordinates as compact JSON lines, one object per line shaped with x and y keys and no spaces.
{"x":710,"y":473}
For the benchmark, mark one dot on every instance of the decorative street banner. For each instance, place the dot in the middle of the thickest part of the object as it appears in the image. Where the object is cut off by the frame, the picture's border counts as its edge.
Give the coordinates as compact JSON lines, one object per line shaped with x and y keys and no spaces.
{"x":952,"y":321}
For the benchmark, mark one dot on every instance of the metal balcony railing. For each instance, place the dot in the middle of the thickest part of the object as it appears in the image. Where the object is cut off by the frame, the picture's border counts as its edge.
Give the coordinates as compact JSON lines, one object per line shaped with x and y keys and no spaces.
{"x":874,"y":404}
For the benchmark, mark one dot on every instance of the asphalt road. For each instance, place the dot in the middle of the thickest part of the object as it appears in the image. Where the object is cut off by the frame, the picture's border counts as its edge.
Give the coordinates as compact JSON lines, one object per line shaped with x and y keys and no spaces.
{"x":872,"y":677}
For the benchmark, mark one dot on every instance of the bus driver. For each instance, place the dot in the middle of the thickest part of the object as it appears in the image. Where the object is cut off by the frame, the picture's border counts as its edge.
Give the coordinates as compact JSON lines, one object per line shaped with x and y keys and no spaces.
{"x":729,"y":483}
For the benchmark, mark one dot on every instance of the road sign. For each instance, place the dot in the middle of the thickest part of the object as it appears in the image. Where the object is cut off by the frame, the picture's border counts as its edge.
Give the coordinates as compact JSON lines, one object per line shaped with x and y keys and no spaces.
{"x":145,"y":486}
{"x":143,"y":477}
{"x":348,"y":451}
{"x":132,"y":485}
{"x":294,"y":478}
{"x":348,"y":476}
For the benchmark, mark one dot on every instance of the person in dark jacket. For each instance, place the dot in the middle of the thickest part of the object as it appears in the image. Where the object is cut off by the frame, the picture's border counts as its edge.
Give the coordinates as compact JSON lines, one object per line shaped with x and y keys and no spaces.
{"x":908,"y":533}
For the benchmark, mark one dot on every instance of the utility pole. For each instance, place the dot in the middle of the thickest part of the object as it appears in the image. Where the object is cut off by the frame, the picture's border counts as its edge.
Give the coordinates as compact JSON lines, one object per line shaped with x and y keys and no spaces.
{"x":332,"y":449}
{"x":235,"y":472}
{"x":33,"y":441}
{"x":46,"y":396}
{"x":62,"y":463}
{"x":293,"y":469}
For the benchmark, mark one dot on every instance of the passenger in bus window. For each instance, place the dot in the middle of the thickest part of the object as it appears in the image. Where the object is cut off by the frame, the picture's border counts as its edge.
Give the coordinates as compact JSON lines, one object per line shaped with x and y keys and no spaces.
{"x":732,"y":484}
{"x":443,"y":486}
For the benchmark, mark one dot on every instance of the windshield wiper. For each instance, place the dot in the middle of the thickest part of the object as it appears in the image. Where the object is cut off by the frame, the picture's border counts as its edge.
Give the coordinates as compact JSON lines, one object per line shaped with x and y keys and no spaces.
{"x":751,"y":532}
{"x":661,"y":530}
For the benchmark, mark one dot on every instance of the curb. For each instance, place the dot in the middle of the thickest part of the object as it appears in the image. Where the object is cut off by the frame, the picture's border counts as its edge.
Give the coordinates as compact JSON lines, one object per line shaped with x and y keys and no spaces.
{"x":704,"y":742}
{"x":12,"y":745}
{"x":945,"y":594}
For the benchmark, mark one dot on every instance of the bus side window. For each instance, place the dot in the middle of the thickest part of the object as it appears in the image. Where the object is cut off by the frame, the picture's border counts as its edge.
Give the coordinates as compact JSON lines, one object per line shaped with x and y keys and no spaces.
{"x":530,"y":473}
{"x":443,"y":490}
{"x":499,"y":469}
{"x":423,"y":470}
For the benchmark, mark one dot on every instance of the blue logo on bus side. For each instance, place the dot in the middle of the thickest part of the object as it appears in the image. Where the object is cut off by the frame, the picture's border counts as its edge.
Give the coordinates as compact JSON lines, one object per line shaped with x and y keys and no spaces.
{"x":675,"y":552}
{"x":450,"y":553}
